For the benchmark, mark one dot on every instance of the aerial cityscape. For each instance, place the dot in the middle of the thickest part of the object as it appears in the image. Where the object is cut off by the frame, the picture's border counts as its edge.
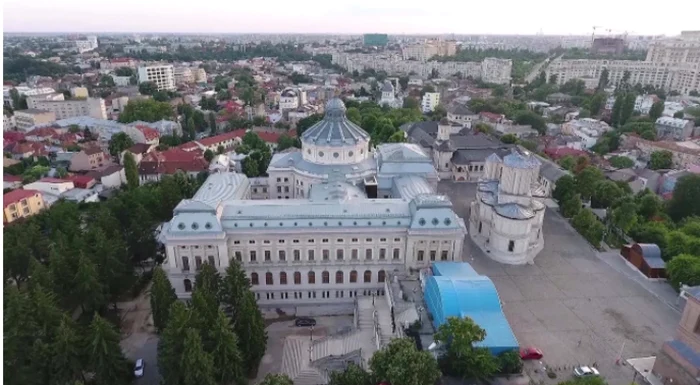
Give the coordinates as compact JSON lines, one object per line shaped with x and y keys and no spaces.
{"x":304,"y":198}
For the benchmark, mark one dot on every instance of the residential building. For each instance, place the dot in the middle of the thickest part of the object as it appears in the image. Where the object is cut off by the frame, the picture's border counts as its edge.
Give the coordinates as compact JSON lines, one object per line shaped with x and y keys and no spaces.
{"x":89,"y":159}
{"x":673,"y":128}
{"x":162,"y":75}
{"x":336,"y":240}
{"x":388,"y":97}
{"x":23,"y":91}
{"x":110,"y":176}
{"x":79,"y":92}
{"x":8,"y":122}
{"x":183,"y":75}
{"x":155,"y":164}
{"x":496,"y":71}
{"x":678,"y":362}
{"x":680,"y":49}
{"x":227,"y":140}
{"x":430,"y":101}
{"x":143,"y":134}
{"x":25,"y":119}
{"x":507,"y":214}
{"x":121,"y":81}
{"x":21,"y":203}
{"x":589,"y":130}
{"x":289,"y":99}
{"x":685,"y":154}
{"x":144,"y":47}
{"x":460,"y":114}
{"x":51,"y":186}
{"x":11,"y":181}
{"x":118,"y":62}
{"x":427,"y":50}
{"x":643,"y":103}
{"x":164,"y":127}
{"x":73,"y":108}
{"x":86,"y":45}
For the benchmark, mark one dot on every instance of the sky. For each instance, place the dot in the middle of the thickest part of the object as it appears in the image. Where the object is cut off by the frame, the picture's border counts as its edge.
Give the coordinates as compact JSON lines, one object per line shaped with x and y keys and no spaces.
{"x":524,"y":17}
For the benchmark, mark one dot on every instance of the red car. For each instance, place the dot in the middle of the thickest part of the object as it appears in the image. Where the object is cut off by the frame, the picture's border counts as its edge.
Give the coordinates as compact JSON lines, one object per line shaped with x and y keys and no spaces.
{"x":530,"y":353}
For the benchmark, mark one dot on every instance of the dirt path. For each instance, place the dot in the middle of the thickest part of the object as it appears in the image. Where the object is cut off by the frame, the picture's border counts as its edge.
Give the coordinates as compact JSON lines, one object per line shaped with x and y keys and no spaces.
{"x":136,"y":322}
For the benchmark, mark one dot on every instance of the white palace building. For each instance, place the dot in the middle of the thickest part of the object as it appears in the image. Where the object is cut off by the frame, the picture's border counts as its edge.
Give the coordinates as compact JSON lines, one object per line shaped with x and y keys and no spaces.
{"x":338,"y":218}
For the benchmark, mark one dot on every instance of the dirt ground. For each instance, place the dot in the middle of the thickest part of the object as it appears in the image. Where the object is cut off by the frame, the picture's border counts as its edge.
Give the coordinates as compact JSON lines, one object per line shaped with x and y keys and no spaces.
{"x":136,"y":322}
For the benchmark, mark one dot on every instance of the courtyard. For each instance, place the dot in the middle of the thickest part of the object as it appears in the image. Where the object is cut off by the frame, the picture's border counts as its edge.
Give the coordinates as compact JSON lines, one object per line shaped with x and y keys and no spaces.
{"x":571,"y":304}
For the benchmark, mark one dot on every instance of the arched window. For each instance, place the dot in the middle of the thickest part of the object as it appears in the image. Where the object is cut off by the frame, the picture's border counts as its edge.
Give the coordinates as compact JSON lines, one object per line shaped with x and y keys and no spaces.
{"x":312,"y":277}
{"x":339,"y":276}
{"x":381,"y":276}
{"x":325,"y":277}
{"x":268,"y":279}
{"x":254,"y":279}
{"x":368,"y":276}
{"x":283,"y":278}
{"x":297,"y":278}
{"x":353,"y":276}
{"x":188,"y":286}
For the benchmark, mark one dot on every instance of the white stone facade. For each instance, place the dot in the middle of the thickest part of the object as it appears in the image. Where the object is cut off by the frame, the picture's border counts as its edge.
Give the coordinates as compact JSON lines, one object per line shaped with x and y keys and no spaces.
{"x":507,"y":214}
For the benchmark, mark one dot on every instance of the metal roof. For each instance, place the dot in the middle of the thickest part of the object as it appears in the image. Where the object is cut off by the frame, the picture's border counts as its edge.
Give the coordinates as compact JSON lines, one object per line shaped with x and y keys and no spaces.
{"x":652,"y":255}
{"x":686,"y":352}
{"x":518,"y":160}
{"x":335,"y":191}
{"x":402,"y":152}
{"x":410,"y":186}
{"x":296,"y":160}
{"x":335,"y":129}
{"x":513,"y":211}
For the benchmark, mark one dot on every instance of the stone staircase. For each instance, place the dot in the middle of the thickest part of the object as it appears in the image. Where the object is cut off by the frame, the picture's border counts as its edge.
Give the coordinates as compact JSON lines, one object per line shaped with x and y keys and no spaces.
{"x":295,"y":356}
{"x":385,"y":328}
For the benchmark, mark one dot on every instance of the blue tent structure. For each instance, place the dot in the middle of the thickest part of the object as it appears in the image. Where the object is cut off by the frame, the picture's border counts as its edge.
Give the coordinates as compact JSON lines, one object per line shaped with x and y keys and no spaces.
{"x":456,"y":290}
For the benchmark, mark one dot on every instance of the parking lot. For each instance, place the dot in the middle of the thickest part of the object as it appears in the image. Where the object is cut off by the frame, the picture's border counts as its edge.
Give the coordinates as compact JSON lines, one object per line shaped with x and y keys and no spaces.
{"x":570,"y":303}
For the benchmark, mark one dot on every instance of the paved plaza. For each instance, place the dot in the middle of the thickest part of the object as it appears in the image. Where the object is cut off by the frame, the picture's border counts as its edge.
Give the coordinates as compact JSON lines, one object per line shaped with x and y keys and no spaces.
{"x":574,"y":306}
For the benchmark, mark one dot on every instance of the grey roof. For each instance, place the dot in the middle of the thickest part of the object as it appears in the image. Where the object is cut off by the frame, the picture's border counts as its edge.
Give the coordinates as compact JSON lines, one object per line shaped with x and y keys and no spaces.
{"x":652,"y":255}
{"x":518,"y":160}
{"x":694,"y":291}
{"x":335,"y":191}
{"x":296,"y":160}
{"x":410,"y":186}
{"x":513,"y":211}
{"x":551,"y":171}
{"x":460,"y":109}
{"x":686,"y":352}
{"x":402,"y":152}
{"x":478,"y":155}
{"x":335,"y":129}
{"x":388,"y":87}
{"x":221,"y":187}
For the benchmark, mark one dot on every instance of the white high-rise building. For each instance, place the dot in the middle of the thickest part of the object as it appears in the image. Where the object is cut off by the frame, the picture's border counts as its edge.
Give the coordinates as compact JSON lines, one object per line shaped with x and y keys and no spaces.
{"x":507,"y":214}
{"x":430,"y":101}
{"x":162,"y":75}
{"x":64,"y":109}
{"x":86,"y":45}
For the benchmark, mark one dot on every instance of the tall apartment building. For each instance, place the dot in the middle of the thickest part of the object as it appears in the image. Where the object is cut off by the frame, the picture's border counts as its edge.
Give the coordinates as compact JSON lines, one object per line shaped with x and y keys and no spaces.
{"x":183,"y":75}
{"x":682,"y":49}
{"x":63,"y":109}
{"x":32,"y":117}
{"x":496,"y":70}
{"x":162,"y":75}
{"x":86,"y":45}
{"x":429,"y":49}
{"x":430,"y":101}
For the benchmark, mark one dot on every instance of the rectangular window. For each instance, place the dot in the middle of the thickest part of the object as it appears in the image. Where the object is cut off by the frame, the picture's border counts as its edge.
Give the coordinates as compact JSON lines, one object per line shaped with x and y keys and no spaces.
{"x":443,"y":255}
{"x":297,"y":255}
{"x":511,"y":246}
{"x":239,"y":256}
{"x":421,"y":255}
{"x":267,"y":242}
{"x":368,"y":254}
{"x":198,"y":262}
{"x":279,"y":189}
{"x":354,"y":253}
{"x":354,"y":240}
{"x":324,"y":240}
{"x":251,"y":242}
{"x":382,"y":253}
{"x":253,"y":256}
{"x":311,"y":255}
{"x":268,"y":255}
{"x":283,"y":255}
{"x":339,"y":254}
{"x":236,"y":242}
{"x":432,"y":255}
{"x":339,"y":240}
{"x":211,"y":260}
{"x":295,"y":241}
{"x":311,"y":240}
{"x":185,"y":264}
{"x":368,"y":240}
{"x":326,"y":255}
{"x":397,"y":239}
{"x":382,"y":239}
{"x":397,"y":253}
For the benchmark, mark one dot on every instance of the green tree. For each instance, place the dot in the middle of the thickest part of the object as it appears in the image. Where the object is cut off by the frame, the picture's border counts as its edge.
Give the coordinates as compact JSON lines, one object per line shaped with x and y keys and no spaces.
{"x":510,"y":362}
{"x":89,"y":290}
{"x":131,"y":171}
{"x":400,"y":362}
{"x":621,"y":162}
{"x":656,"y":110}
{"x":571,"y":206}
{"x":105,"y":357}
{"x":20,"y":331}
{"x":564,"y":189}
{"x":197,"y":366}
{"x":624,"y":216}
{"x":171,"y":345}
{"x":228,"y":360}
{"x":162,"y":298}
{"x":685,"y":202}
{"x":285,"y":141}
{"x":276,"y":379}
{"x":212,"y":124}
{"x":596,"y":103}
{"x":678,"y":243}
{"x":161,"y":96}
{"x":586,"y":180}
{"x":684,"y":269}
{"x":148,"y":88}
{"x":397,"y":137}
{"x":61,"y":172}
{"x":679,"y":115}
{"x":627,"y":108}
{"x":147,"y":110}
{"x":605,"y":192}
{"x":604,"y":79}
{"x":208,"y":155}
{"x":651,"y":232}
{"x":352,"y":375}
{"x":587,"y":224}
{"x":250,"y":167}
{"x":615,"y":117}
{"x":509,"y":139}
{"x":531,"y":118}
{"x":660,"y":160}
{"x":568,"y":162}
{"x":124,"y":71}
{"x":118,"y":143}
{"x":68,"y":359}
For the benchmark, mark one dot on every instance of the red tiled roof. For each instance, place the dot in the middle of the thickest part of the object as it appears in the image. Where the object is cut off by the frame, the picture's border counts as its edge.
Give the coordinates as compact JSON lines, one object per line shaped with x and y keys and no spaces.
{"x":24,"y":148}
{"x":490,"y":115}
{"x":148,"y":132}
{"x":269,"y":137}
{"x":81,"y":179}
{"x":11,"y":178}
{"x":560,"y":152}
{"x":212,"y":140}
{"x":189,"y":146}
{"x":172,"y":160}
{"x":15,"y":196}
{"x":92,"y":150}
{"x":12,"y":136}
{"x":42,"y":132}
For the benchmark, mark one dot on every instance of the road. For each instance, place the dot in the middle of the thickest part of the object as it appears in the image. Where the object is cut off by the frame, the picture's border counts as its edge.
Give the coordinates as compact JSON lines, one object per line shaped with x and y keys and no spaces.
{"x":149,"y":353}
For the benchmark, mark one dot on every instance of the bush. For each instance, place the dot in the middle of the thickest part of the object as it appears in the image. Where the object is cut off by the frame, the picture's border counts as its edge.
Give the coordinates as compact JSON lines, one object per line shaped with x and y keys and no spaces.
{"x":510,"y":362}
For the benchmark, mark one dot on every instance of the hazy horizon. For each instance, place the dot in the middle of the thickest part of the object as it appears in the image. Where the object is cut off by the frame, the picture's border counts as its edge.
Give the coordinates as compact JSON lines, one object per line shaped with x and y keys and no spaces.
{"x":323,"y":17}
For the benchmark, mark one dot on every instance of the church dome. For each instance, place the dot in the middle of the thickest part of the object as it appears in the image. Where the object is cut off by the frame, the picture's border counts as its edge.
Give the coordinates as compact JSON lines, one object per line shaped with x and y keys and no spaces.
{"x":335,"y":130}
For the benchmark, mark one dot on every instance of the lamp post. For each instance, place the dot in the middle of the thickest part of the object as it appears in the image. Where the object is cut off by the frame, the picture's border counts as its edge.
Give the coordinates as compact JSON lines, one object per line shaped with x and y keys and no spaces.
{"x":311,"y":336}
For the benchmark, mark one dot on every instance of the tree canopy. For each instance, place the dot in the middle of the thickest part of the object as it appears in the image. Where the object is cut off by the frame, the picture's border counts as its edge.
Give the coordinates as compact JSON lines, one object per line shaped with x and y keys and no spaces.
{"x":147,"y":110}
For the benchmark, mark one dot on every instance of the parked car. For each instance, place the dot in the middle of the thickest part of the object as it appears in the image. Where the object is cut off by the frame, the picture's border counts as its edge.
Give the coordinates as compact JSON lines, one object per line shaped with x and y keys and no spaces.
{"x":530,"y":353}
{"x":586,"y":371}
{"x":305,"y":322}
{"x":138,"y":368}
